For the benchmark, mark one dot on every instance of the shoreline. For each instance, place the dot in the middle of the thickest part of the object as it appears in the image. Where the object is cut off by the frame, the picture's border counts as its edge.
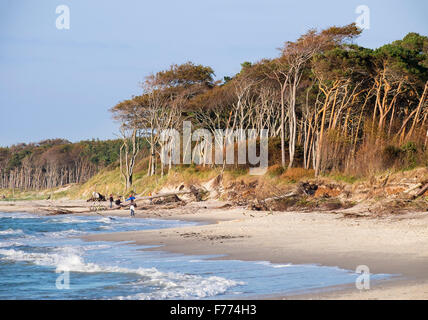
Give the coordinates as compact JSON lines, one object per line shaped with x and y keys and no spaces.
{"x":389,"y":245}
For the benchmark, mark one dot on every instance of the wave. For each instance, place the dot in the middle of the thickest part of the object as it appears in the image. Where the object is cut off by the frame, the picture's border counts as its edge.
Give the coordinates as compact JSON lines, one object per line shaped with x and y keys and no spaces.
{"x":282,"y":265}
{"x":167,"y":285}
{"x":66,"y":220}
{"x":189,"y":286}
{"x":105,"y":228}
{"x":275,"y":265}
{"x":10,"y":244}
{"x":18,"y":215}
{"x":11,"y":231}
{"x":106,"y":220}
{"x":63,"y":234}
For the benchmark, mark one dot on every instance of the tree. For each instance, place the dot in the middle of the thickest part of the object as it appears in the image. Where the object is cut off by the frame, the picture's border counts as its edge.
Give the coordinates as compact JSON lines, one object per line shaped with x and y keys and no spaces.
{"x":128,"y":153}
{"x":160,"y":107}
{"x":295,"y":56}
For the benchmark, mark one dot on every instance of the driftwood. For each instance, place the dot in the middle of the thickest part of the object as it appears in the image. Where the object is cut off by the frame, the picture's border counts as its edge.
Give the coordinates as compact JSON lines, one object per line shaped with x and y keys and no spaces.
{"x":95,"y":198}
{"x":58,"y":211}
{"x":262,"y":204}
{"x":161,"y":195}
{"x":308,"y":188}
{"x":414,"y":187}
{"x":288,"y":195}
{"x":196,"y":193}
{"x":385,"y":180}
{"x":166,"y":199}
{"x":193,"y":191}
{"x":422,"y":191}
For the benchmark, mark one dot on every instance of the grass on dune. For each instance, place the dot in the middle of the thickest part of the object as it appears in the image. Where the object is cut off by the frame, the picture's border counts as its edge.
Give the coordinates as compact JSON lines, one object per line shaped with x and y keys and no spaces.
{"x":110,"y":181}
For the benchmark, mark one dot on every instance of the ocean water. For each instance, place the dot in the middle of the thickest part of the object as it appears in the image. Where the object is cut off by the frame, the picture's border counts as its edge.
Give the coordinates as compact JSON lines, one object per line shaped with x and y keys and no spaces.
{"x":43,"y":258}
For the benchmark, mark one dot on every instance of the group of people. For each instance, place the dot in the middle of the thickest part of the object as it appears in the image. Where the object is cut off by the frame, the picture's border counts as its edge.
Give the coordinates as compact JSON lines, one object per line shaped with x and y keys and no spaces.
{"x":118,"y":202}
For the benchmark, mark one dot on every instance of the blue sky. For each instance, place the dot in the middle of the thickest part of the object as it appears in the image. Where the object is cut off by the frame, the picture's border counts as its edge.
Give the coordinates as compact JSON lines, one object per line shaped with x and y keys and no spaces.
{"x":61,"y":83}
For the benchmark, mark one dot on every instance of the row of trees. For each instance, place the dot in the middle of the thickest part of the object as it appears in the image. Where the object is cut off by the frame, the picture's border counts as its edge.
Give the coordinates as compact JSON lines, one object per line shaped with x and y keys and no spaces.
{"x":328,"y":104}
{"x":54,"y":163}
{"x":332,"y":104}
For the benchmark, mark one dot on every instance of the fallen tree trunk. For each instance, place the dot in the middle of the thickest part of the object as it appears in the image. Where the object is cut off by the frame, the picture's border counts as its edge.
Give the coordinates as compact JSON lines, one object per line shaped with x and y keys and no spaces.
{"x":262,"y":204}
{"x":414,"y":187}
{"x":422,"y":191}
{"x":58,"y":211}
{"x":161,"y":195}
{"x":194,"y":191}
{"x":288,"y":195}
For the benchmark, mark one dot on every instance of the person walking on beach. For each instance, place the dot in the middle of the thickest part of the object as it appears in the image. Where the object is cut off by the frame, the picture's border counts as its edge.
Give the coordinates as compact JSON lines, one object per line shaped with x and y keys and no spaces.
{"x":132,"y":204}
{"x":111,"y":201}
{"x":132,"y":208}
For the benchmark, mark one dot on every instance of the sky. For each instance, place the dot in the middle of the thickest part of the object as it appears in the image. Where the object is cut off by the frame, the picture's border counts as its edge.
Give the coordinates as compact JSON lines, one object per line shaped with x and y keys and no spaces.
{"x":60,"y":83}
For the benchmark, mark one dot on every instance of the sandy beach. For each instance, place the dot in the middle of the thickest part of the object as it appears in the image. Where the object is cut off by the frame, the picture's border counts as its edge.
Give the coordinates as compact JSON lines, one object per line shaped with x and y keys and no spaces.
{"x":394,"y":244}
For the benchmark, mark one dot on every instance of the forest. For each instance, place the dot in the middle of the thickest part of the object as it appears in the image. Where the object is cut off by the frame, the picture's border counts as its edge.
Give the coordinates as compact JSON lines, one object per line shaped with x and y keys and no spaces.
{"x":53,"y":163}
{"x":329,"y":105}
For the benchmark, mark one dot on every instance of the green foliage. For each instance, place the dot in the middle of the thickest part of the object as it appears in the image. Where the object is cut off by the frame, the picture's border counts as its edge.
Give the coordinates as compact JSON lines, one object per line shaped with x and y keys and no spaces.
{"x":350,"y":61}
{"x":405,"y":157}
{"x":343,"y":177}
{"x":226,"y":79}
{"x":245,"y":65}
{"x":237,"y":172}
{"x":417,"y":44}
{"x":101,"y":153}
{"x":16,"y":159}
{"x":408,"y":56}
{"x":391,"y":154}
{"x":275,"y":171}
{"x":59,"y":154}
{"x":185,"y":75}
{"x":410,"y":152}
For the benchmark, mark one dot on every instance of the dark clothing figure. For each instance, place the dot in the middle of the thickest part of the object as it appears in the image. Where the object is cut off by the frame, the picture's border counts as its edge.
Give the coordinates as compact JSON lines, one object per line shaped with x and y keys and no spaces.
{"x":111,"y":201}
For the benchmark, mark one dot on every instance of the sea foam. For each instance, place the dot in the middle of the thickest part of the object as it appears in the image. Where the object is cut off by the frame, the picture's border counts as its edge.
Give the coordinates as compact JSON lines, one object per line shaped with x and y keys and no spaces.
{"x":11,"y":231}
{"x":169,"y":285}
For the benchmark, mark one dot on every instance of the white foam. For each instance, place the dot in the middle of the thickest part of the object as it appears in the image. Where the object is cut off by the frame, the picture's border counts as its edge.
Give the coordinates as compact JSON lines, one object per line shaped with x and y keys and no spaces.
{"x":190,"y":287}
{"x":274,"y":265}
{"x":97,"y":247}
{"x":105,"y":220}
{"x":11,"y":231}
{"x":10,"y":244}
{"x":105,"y":227}
{"x":63,"y":234}
{"x":168,"y":285}
{"x":67,"y":220}
{"x":282,"y":265}
{"x":18,"y":215}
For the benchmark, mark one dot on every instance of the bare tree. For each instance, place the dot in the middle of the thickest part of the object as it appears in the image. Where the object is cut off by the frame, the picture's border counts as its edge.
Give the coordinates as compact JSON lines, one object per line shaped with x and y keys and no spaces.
{"x":128,"y":153}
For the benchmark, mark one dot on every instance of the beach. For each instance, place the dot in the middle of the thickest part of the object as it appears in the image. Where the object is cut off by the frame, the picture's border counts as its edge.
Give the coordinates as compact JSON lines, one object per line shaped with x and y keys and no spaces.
{"x":393,"y":244}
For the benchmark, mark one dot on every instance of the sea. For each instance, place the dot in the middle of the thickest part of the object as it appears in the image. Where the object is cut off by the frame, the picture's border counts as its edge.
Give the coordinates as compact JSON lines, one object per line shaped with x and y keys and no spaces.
{"x":43,"y":257}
